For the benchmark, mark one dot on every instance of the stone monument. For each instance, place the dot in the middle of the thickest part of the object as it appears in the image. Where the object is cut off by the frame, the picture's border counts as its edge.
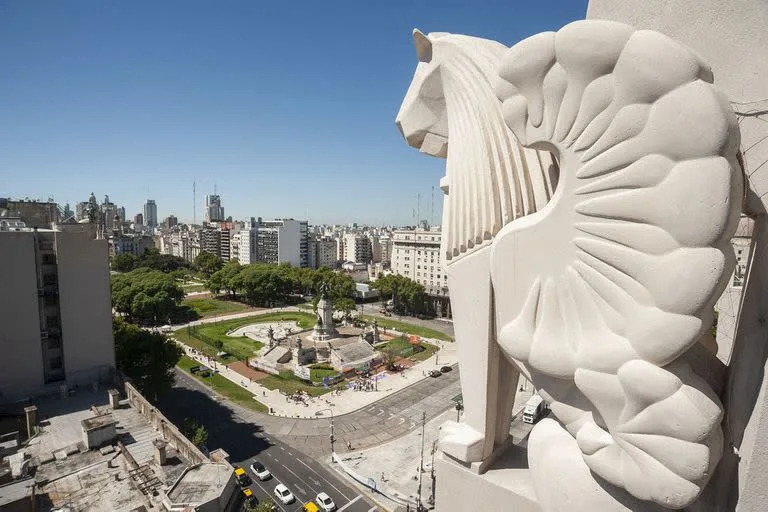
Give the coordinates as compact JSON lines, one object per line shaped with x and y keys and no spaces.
{"x":592,"y":187}
{"x":324,"y":329}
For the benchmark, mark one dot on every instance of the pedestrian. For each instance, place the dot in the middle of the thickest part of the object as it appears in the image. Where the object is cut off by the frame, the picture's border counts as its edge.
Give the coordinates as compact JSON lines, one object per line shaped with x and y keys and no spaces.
{"x":382,"y":476}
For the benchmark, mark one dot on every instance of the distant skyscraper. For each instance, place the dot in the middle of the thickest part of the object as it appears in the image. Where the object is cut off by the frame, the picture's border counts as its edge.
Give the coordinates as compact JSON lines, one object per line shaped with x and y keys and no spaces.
{"x":138,"y":219}
{"x":213,"y":209}
{"x":150,"y":213}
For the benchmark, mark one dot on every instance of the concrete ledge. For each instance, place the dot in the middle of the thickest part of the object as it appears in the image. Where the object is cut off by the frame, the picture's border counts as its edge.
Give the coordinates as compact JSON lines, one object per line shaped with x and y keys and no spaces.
{"x":505,"y":486}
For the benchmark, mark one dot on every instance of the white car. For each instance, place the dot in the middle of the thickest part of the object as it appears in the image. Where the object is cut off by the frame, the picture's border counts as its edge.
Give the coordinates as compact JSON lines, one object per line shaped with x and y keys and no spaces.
{"x":260,"y":471}
{"x":325,"y":502}
{"x":283,"y":494}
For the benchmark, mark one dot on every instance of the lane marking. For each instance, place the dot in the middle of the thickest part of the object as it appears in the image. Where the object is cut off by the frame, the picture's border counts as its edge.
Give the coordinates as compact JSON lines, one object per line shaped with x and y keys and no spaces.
{"x":349,"y":504}
{"x":381,"y":411}
{"x":372,"y":409}
{"x":391,"y":416}
{"x":281,"y":448}
{"x":300,"y":480}
{"x":321,"y":476}
{"x":412,"y":425}
{"x":373,"y":509}
{"x":289,"y":453}
{"x":402,"y":420}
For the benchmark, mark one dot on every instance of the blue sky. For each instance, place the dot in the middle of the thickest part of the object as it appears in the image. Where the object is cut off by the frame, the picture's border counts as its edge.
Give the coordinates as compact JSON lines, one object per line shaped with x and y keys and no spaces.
{"x":288,"y":107}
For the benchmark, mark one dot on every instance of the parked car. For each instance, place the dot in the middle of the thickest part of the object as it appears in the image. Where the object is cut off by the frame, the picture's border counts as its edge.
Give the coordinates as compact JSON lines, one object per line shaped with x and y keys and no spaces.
{"x":283,"y":494}
{"x":310,"y":507}
{"x":260,"y":471}
{"x":205,"y":372}
{"x":195,"y":368}
{"x":325,"y":502}
{"x":242,"y":477}
{"x":249,"y":498}
{"x":445,"y":369}
{"x":435,"y":373}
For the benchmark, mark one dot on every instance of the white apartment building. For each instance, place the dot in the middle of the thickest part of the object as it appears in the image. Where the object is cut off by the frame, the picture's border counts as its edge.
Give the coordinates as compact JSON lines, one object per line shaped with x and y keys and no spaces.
{"x":282,"y":241}
{"x":416,"y":254}
{"x":55,"y":310}
{"x":246,"y":246}
{"x":357,"y":248}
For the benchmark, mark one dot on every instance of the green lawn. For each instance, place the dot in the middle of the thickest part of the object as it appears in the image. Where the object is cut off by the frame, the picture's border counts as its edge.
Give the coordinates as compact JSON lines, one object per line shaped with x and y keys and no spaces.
{"x":292,"y":385}
{"x":400,"y":344}
{"x":317,"y":374}
{"x":194,"y":288}
{"x":416,"y":330}
{"x":223,"y":386}
{"x":240,"y":347}
{"x":208,"y":306}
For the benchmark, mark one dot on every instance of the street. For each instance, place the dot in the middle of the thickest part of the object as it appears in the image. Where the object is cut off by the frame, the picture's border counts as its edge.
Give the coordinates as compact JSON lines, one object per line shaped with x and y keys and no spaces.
{"x":246,"y":441}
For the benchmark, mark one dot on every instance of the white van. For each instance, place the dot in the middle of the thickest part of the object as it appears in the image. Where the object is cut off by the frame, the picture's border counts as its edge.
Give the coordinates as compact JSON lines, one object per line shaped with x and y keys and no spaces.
{"x":533,"y":409}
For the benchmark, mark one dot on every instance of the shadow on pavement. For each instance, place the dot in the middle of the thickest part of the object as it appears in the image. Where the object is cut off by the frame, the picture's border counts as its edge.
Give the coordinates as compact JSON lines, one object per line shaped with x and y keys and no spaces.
{"x":225,"y":430}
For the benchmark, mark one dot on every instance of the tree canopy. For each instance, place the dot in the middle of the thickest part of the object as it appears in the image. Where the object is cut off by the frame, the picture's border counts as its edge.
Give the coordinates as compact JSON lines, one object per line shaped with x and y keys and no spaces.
{"x":207,"y":262}
{"x":149,"y":297}
{"x":266,"y":284}
{"x":151,"y":258}
{"x":147,"y":358}
{"x":124,"y":262}
{"x":408,"y":296}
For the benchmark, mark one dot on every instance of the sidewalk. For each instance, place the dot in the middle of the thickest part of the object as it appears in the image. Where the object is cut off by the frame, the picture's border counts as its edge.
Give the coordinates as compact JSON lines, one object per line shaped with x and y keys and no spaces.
{"x":341,"y":402}
{"x":394,"y":467}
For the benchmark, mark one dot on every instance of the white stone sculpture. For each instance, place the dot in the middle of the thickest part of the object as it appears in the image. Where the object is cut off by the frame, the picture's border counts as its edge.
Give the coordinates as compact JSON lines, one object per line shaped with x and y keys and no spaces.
{"x":594,"y":292}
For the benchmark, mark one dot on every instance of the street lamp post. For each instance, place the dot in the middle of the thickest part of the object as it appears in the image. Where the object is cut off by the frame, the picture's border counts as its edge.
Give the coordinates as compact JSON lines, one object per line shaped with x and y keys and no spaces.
{"x":319,"y":413}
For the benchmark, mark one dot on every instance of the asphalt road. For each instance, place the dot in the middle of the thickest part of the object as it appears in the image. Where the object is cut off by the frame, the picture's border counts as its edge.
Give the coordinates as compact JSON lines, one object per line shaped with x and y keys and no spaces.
{"x":246,"y":440}
{"x":377,"y":423}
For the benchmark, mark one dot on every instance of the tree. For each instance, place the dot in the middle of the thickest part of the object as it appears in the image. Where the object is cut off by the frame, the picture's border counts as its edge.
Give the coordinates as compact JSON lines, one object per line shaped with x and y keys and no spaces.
{"x":345,"y":305}
{"x":149,"y":297}
{"x":408,"y":296}
{"x":207,"y":262}
{"x":151,"y":258}
{"x":124,"y":262}
{"x":390,"y":356}
{"x":147,"y":358}
{"x":224,"y":279}
{"x":194,"y":431}
{"x":266,"y":505}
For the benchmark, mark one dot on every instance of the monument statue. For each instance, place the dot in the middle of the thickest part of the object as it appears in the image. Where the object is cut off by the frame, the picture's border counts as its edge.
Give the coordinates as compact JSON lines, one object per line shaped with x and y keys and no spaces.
{"x":324,"y":327}
{"x":591,"y":190}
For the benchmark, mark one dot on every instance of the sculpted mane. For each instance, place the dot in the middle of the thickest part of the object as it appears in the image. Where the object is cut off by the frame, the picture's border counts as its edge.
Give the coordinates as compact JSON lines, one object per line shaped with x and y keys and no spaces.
{"x":491,"y":179}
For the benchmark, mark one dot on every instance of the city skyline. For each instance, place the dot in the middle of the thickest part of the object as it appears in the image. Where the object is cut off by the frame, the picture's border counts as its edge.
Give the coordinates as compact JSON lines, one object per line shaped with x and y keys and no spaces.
{"x":142,"y":100}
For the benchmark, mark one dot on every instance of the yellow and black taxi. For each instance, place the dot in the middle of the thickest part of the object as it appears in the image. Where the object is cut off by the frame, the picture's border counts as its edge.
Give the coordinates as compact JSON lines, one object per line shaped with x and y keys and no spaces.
{"x":242,"y":477}
{"x":249,"y":498}
{"x":311,"y":507}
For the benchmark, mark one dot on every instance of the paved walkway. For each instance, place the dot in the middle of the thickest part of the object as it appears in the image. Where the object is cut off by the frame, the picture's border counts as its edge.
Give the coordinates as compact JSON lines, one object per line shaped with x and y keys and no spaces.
{"x":342,"y":402}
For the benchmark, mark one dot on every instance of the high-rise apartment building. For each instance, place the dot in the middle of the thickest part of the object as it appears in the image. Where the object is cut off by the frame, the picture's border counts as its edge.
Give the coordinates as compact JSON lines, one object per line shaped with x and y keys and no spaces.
{"x":282,"y":241}
{"x":138,"y":219}
{"x":171,"y":221}
{"x":210,"y":241}
{"x":357,"y":248}
{"x":322,"y":252}
{"x":214,"y":212}
{"x":55,"y":310}
{"x":150,"y":213}
{"x":416,"y":254}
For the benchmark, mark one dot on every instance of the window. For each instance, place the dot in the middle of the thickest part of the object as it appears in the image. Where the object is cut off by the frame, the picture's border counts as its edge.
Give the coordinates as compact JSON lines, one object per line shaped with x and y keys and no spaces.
{"x":50,"y":300}
{"x":55,"y":363}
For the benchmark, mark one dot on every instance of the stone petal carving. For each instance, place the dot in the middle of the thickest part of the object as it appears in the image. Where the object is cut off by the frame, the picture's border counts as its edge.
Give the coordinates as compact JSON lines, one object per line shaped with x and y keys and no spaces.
{"x":636,"y":248}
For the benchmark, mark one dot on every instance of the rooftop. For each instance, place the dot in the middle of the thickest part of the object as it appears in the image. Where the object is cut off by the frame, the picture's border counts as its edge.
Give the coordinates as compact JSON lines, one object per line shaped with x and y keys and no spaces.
{"x":200,"y":484}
